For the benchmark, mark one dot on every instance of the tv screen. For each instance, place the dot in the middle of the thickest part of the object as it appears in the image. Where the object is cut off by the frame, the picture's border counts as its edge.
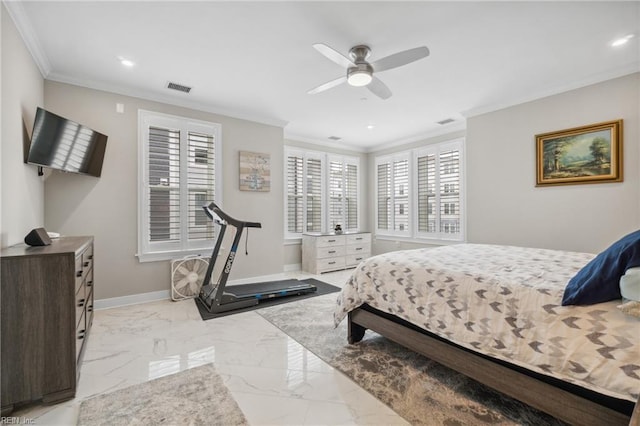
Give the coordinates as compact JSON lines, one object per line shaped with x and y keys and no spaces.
{"x":62,"y":144}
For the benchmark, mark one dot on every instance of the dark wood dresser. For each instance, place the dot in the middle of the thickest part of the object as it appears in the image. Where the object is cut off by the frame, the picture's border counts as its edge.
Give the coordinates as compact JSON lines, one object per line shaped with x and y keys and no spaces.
{"x":46,"y":312}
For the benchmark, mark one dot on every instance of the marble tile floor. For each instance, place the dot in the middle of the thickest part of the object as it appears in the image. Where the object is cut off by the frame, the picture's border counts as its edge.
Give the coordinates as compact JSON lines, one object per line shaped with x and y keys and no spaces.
{"x":274,"y":380}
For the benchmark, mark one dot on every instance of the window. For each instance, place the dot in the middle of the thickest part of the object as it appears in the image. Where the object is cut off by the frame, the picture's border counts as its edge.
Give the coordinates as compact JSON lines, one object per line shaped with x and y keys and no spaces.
{"x":178,"y":174}
{"x":321,"y":192}
{"x":433,"y":177}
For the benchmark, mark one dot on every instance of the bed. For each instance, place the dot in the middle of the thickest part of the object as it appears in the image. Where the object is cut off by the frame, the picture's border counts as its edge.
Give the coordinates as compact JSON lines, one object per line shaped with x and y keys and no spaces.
{"x":494,"y":313}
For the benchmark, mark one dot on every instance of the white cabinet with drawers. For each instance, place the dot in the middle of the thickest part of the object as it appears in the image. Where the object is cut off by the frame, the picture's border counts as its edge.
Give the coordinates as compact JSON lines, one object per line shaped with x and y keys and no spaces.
{"x":331,"y":252}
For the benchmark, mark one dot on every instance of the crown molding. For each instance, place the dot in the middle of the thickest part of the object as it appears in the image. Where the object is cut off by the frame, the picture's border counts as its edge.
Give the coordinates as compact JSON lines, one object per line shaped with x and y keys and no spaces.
{"x":322,"y":143}
{"x":28,"y":34}
{"x":174,"y":101}
{"x":456,"y":126}
{"x":630,"y":68}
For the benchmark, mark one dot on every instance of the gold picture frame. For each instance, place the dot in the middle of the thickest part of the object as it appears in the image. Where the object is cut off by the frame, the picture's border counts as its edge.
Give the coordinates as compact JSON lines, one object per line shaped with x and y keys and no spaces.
{"x":587,"y":154}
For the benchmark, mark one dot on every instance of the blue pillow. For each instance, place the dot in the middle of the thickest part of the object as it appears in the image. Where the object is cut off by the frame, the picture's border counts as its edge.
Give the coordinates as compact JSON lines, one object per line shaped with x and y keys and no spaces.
{"x":599,"y":280}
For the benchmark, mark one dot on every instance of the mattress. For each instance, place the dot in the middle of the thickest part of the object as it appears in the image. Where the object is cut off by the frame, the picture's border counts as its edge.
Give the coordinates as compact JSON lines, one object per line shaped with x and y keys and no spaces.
{"x":505,"y":302}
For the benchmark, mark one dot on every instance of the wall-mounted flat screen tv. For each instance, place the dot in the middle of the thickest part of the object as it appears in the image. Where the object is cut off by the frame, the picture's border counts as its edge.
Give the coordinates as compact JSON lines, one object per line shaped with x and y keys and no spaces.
{"x":62,"y":144}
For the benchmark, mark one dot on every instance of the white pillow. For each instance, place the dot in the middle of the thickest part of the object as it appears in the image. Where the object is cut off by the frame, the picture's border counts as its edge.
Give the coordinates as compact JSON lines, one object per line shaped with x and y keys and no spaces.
{"x":630,"y":284}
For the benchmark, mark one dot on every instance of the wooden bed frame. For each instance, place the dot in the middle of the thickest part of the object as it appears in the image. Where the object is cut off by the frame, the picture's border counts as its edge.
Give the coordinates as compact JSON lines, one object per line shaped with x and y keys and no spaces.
{"x":546,"y":397}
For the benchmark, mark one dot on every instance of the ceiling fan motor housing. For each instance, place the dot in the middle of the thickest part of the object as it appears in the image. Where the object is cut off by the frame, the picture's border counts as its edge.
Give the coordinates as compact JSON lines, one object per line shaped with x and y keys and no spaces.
{"x":361,"y":73}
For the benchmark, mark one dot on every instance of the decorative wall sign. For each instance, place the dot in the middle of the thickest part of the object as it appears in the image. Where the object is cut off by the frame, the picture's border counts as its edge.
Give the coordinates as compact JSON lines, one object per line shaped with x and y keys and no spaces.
{"x":255,"y":171}
{"x":587,"y":154}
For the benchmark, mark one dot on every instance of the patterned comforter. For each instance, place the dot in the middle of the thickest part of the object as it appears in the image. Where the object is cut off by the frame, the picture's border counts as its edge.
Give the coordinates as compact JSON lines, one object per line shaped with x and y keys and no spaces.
{"x":505,"y":302}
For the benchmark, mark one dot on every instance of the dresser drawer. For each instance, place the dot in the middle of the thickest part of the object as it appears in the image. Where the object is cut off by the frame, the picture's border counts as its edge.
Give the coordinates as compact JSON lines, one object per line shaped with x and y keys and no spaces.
{"x":81,"y":302}
{"x":330,"y":241}
{"x":355,"y":259}
{"x":332,"y":251}
{"x":357,"y":248}
{"x":359,"y":239}
{"x":324,"y":265}
{"x":87,"y":259}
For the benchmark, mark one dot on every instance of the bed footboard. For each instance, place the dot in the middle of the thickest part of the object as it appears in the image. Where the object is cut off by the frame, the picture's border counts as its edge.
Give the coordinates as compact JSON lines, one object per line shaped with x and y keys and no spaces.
{"x":555,"y":401}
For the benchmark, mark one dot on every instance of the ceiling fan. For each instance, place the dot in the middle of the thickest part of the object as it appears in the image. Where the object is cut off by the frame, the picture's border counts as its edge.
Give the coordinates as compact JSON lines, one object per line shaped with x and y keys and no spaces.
{"x":360,"y":72}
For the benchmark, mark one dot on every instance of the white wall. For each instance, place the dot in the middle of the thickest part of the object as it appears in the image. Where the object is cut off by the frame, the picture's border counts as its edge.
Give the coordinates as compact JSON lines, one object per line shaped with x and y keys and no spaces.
{"x":106,"y":207}
{"x":22,"y":206}
{"x":503,"y":204}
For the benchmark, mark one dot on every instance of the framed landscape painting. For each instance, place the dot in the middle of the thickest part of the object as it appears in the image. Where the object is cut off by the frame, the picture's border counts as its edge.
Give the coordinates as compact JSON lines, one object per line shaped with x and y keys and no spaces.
{"x":587,"y":154}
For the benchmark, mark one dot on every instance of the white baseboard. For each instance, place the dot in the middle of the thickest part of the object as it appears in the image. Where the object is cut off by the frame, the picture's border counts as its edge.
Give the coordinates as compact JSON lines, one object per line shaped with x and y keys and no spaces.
{"x":293,"y":267}
{"x":133,"y":299}
{"x":154,"y":296}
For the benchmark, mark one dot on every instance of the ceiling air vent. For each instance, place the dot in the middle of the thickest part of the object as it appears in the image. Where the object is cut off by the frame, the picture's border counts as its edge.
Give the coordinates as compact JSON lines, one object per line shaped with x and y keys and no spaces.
{"x":335,"y":138}
{"x":445,"y":121}
{"x":179,"y":87}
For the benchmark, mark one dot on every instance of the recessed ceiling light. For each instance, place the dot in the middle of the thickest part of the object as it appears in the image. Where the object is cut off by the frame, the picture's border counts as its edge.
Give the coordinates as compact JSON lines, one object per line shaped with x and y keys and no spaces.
{"x":126,"y":62}
{"x":622,"y":40}
{"x":370,"y":126}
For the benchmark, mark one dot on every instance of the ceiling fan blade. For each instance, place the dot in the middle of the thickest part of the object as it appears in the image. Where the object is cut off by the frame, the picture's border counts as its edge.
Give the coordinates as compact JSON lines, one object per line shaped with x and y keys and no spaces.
{"x":399,"y":59}
{"x":328,"y":85}
{"x":334,"y":55}
{"x":378,"y":88}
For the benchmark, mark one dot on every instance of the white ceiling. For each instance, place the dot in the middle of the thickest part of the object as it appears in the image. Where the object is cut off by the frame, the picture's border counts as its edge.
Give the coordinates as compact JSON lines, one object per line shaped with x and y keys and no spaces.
{"x":255,"y":60}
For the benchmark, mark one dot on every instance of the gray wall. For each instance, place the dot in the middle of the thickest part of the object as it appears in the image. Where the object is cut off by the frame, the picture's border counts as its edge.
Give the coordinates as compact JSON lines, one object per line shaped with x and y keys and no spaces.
{"x":22,"y":206}
{"x":503,"y":204}
{"x":106,"y":207}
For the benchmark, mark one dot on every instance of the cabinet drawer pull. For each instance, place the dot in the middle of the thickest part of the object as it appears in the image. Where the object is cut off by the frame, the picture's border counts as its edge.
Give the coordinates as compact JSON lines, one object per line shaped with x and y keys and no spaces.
{"x":87,"y":263}
{"x":332,"y":241}
{"x":81,"y":303}
{"x":359,"y":258}
{"x":89,"y":283}
{"x":81,"y":334}
{"x":332,"y":263}
{"x":79,"y":274}
{"x":331,"y":251}
{"x":91,"y":257}
{"x":358,"y":238}
{"x":358,"y":248}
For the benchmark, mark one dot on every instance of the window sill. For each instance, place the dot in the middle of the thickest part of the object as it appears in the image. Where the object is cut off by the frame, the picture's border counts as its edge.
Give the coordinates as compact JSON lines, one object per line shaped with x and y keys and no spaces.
{"x":417,"y":240}
{"x":172,"y":255}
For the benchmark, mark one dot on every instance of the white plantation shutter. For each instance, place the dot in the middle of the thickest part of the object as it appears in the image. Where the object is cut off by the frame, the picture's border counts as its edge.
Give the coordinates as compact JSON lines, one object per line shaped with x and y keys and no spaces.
{"x":351,"y":198}
{"x":201,"y":184}
{"x":384,"y":196}
{"x":305,"y":193}
{"x":393,"y":195}
{"x":295,"y":194}
{"x":313,"y":195}
{"x":179,"y":175}
{"x":439,"y":191}
{"x":343,"y":193}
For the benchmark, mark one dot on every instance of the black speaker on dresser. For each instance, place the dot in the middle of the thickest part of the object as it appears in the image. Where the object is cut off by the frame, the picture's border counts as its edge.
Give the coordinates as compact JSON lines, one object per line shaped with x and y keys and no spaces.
{"x":37,"y":237}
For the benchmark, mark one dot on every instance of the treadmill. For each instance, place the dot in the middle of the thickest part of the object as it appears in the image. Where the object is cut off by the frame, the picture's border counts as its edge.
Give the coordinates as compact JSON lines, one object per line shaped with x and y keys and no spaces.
{"x":215,"y":297}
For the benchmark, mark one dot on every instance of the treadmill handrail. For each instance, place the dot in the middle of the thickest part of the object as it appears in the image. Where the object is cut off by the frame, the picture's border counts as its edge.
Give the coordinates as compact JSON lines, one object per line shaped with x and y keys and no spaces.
{"x":213,"y":208}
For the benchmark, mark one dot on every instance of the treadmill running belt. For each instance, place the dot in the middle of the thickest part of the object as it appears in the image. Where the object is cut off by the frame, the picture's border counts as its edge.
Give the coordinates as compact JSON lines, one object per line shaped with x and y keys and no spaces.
{"x":270,"y":287}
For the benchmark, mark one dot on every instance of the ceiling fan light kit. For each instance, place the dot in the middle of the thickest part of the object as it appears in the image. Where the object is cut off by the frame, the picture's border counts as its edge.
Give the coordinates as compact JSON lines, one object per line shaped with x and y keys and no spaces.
{"x":360,"y":72}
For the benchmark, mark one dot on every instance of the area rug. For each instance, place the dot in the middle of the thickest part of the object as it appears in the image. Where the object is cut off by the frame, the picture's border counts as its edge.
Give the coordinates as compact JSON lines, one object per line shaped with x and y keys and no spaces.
{"x":197,"y":396}
{"x":322,"y":289}
{"x":422,"y":391}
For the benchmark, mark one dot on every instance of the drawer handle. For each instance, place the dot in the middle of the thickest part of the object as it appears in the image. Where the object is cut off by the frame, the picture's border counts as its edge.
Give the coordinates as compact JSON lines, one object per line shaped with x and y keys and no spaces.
{"x":90,"y":257}
{"x":332,"y":241}
{"x":331,"y":251}
{"x":358,"y":248}
{"x":81,"y":303}
{"x":89,"y":283}
{"x":79,"y":274}
{"x":359,"y":258}
{"x":358,"y":238}
{"x":81,"y":334}
{"x":87,"y":263}
{"x":90,"y":308}
{"x":332,"y":263}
